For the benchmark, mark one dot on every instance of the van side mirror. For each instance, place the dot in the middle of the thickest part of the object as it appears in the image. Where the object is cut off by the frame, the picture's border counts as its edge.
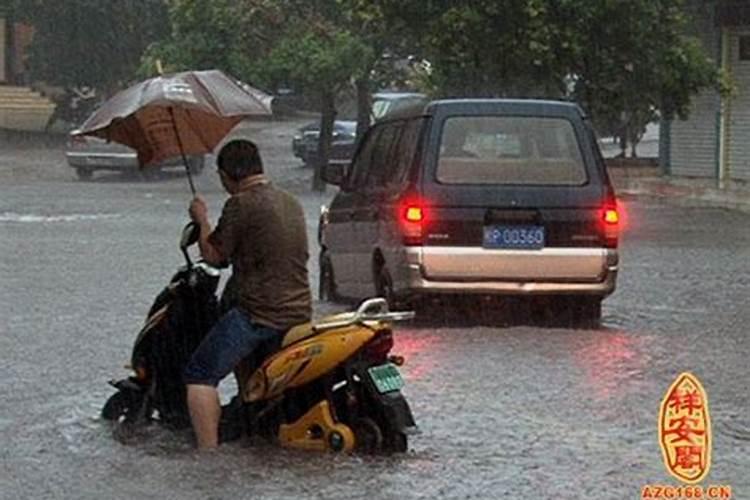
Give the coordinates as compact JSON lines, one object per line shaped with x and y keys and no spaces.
{"x":334,"y":173}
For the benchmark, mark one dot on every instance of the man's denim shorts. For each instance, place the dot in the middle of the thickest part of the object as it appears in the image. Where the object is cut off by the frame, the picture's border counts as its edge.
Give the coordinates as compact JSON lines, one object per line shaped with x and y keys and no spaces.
{"x":232,"y":339}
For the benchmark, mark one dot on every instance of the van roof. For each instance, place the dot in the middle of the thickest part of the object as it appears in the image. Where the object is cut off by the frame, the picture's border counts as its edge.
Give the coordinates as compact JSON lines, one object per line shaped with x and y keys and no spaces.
{"x":489,"y":106}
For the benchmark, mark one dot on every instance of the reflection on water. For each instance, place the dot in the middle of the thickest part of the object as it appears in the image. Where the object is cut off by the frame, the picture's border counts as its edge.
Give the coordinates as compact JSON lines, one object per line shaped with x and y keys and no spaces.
{"x":419,"y":350}
{"x":613,"y":362}
{"x":502,"y":412}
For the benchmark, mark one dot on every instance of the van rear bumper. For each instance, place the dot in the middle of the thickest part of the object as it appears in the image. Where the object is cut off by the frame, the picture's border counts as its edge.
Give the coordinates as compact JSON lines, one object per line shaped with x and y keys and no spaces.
{"x":540,"y":282}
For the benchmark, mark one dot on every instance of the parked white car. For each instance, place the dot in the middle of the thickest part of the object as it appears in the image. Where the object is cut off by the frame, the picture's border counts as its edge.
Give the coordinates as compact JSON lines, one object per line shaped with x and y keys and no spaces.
{"x":88,"y":154}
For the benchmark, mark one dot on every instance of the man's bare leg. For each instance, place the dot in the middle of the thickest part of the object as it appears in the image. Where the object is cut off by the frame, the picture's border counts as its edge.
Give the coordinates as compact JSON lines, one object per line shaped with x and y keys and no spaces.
{"x":205,"y":413}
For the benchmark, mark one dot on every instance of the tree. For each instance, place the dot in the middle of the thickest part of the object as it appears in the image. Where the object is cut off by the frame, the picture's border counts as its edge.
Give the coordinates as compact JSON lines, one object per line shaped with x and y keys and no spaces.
{"x":317,"y":57}
{"x":270,"y":43}
{"x":492,"y":49}
{"x":88,"y":43}
{"x":626,"y":61}
{"x":87,"y":48}
{"x":635,"y":62}
{"x":380,"y":26}
{"x":202,"y":34}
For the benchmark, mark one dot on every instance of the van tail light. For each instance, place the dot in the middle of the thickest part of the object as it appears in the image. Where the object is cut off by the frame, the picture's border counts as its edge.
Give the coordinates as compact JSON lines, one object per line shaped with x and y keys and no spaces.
{"x":412,"y":216}
{"x":413,"y":213}
{"x":610,"y":222}
{"x":611,"y":216}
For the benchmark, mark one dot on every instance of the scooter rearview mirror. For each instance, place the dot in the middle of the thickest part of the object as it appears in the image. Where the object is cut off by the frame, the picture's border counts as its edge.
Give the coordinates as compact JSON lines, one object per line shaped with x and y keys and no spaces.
{"x":189,"y":235}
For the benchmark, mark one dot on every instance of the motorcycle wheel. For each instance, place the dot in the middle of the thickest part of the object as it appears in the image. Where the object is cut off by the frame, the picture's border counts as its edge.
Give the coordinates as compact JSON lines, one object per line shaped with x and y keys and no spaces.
{"x":397,"y":442}
{"x":119,"y":405}
{"x":368,"y":436}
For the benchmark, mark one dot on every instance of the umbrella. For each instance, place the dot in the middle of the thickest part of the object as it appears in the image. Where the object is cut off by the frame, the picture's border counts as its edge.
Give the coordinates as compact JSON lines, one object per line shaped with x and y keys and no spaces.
{"x":172,"y":115}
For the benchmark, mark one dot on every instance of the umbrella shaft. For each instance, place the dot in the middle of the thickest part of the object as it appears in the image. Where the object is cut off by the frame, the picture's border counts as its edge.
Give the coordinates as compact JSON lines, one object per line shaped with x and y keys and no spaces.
{"x":182,"y":151}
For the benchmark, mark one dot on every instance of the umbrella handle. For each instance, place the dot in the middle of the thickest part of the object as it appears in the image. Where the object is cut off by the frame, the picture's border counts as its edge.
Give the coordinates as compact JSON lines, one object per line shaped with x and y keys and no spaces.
{"x":182,"y":151}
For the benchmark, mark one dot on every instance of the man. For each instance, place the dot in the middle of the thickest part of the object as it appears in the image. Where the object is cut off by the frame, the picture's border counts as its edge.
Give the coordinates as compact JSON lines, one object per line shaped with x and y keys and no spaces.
{"x":262,"y":233}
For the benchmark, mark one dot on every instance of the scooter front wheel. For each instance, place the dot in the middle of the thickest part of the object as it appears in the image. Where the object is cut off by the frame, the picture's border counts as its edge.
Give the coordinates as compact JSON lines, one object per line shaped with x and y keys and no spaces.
{"x":119,"y":405}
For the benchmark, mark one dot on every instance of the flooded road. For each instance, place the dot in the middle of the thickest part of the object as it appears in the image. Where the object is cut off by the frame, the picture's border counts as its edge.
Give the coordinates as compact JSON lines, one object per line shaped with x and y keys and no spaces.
{"x":519,"y":411}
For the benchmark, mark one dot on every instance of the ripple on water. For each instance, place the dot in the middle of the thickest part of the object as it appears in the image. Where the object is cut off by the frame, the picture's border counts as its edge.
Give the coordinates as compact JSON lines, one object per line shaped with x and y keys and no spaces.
{"x":37,"y":218}
{"x":732,"y":426}
{"x":81,"y":432}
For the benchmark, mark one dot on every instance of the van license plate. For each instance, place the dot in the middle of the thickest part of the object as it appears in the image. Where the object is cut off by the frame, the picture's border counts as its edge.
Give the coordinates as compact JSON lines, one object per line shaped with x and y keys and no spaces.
{"x":514,"y":237}
{"x":386,"y":378}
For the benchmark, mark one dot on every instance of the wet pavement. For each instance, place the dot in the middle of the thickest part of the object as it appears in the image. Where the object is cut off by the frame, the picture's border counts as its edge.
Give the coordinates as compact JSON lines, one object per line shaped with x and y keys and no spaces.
{"x":519,"y":411}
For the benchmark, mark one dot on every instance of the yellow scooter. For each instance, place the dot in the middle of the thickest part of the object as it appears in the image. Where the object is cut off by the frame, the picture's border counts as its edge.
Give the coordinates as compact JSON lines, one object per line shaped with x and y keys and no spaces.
{"x":332,"y":385}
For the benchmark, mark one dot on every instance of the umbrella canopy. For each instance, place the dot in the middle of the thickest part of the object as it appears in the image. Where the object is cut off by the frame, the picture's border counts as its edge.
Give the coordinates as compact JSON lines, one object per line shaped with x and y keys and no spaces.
{"x":172,"y":115}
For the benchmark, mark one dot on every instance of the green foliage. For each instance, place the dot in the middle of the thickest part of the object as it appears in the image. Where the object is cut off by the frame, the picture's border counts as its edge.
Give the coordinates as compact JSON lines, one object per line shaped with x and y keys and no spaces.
{"x":626,"y":61}
{"x":205,"y":34}
{"x":266,"y":42}
{"x":87,"y":42}
{"x":9,"y":7}
{"x":317,"y":61}
{"x":634,"y":61}
{"x":315,"y":46}
{"x":490,"y":48}
{"x":686,"y":71}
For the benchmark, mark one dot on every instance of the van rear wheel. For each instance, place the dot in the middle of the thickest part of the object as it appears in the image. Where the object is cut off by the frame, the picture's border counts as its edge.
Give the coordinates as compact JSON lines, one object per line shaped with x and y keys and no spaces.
{"x":587,"y":311}
{"x":327,"y":281}
{"x":84,"y":173}
{"x":384,"y":287}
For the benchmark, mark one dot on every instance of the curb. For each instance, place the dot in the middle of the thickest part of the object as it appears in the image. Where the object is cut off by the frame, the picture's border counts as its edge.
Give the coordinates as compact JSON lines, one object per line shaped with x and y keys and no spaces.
{"x":686,"y":192}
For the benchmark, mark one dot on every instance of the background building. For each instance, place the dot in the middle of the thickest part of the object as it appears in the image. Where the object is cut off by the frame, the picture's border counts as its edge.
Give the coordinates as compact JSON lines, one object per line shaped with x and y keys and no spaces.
{"x":21,"y":108}
{"x":14,"y":38}
{"x":714,"y":142}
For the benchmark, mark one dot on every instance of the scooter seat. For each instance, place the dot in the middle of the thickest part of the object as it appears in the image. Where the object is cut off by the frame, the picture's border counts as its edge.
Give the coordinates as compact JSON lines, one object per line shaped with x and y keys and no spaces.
{"x":297,"y":333}
{"x":307,"y":330}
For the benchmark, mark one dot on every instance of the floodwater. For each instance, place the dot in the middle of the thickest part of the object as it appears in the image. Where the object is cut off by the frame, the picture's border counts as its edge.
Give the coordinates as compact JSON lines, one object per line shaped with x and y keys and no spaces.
{"x":517,"y":410}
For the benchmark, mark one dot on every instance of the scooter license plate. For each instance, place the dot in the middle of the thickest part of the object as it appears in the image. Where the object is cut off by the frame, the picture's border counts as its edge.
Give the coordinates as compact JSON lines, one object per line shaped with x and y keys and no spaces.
{"x":386,"y":378}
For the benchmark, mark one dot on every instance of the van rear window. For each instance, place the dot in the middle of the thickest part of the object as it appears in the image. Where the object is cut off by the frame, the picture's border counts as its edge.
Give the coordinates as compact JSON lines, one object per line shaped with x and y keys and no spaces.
{"x":509,"y":150}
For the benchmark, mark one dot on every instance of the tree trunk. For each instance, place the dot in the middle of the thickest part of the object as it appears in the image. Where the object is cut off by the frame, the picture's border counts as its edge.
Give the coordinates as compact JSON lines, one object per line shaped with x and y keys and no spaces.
{"x":364,"y":105}
{"x":622,"y":140}
{"x":9,"y":71}
{"x":634,"y":137}
{"x":327,"y":117}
